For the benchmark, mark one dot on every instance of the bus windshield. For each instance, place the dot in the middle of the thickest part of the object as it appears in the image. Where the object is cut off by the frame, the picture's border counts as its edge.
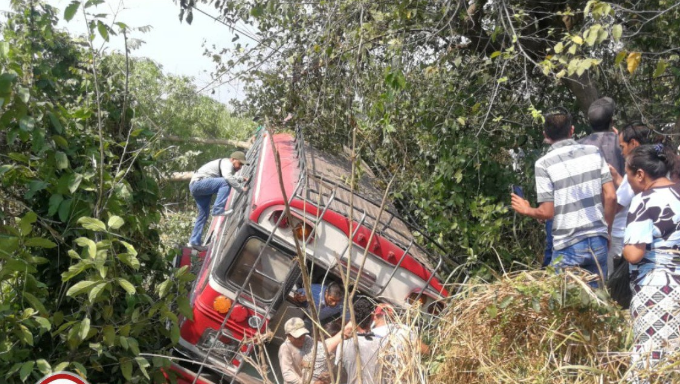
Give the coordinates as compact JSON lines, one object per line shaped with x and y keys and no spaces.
{"x":269,"y":273}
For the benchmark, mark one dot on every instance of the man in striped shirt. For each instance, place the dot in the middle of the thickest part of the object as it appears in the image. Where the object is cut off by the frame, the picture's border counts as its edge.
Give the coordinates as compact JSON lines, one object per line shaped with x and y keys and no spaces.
{"x":575,"y":188}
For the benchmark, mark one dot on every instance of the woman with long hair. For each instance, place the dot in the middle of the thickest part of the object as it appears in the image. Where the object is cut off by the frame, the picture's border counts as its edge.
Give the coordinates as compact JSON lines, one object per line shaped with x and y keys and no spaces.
{"x":652,"y":247}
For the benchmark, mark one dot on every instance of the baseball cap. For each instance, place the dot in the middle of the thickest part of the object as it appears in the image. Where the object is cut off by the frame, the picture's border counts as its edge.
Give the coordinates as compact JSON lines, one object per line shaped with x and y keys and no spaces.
{"x":600,"y":113}
{"x":240,"y":156}
{"x":295,"y":327}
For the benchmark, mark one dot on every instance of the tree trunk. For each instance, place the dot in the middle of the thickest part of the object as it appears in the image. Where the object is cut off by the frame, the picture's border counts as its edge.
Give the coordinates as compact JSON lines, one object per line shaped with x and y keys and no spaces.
{"x":233,"y":143}
{"x":584,"y":88}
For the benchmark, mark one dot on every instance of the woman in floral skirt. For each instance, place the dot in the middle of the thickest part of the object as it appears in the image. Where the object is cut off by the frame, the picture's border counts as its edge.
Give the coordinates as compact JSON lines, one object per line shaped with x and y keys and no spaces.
{"x":652,"y":247}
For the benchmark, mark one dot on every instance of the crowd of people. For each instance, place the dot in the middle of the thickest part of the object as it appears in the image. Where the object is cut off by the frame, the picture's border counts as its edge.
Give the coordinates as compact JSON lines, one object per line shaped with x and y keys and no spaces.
{"x":609,"y":198}
{"x":370,"y":351}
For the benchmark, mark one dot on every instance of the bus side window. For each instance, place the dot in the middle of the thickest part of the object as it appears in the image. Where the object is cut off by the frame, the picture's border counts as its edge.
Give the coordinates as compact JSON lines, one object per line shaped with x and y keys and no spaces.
{"x":269,"y":274}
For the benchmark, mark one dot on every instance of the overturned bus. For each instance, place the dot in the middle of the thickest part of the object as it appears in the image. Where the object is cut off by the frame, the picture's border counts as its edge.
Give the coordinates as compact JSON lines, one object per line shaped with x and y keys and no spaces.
{"x":243,"y":293}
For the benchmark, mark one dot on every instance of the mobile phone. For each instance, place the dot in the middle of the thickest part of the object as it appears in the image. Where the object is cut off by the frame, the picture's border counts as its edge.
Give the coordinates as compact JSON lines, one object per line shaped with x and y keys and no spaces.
{"x":517,"y":190}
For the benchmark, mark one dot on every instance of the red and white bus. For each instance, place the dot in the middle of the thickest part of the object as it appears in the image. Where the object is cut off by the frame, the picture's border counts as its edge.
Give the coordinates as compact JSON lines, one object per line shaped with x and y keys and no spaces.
{"x":244,"y":286}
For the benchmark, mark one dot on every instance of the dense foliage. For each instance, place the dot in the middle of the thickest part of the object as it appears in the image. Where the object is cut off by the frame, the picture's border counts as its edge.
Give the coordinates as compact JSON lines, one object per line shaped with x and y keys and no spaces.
{"x":84,"y":284}
{"x":438,"y":92}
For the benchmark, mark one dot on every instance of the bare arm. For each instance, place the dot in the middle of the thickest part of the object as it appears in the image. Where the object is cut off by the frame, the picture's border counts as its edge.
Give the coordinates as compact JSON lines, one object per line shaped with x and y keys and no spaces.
{"x":545,"y":210}
{"x":616,"y":178}
{"x":633,"y":253}
{"x":335,"y":340}
{"x":609,"y":202}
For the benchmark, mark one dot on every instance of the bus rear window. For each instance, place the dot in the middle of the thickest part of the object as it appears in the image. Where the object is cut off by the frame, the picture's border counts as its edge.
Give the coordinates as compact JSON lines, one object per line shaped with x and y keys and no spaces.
{"x":269,"y":274}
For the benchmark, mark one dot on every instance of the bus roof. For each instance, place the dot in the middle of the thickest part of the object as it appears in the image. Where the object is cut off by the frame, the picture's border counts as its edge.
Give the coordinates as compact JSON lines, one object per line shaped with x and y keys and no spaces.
{"x":317,"y":179}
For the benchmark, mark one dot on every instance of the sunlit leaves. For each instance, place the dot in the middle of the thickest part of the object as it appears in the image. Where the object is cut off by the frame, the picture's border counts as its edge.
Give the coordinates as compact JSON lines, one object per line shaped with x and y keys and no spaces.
{"x":92,"y":224}
{"x":617,"y":31}
{"x":633,"y":61}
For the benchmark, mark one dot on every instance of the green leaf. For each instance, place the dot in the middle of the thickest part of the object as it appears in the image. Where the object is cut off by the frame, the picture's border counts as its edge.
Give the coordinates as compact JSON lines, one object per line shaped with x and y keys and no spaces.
{"x":129,"y":260}
{"x":619,"y":57}
{"x":660,"y":68}
{"x":35,"y":303}
{"x":103,"y":31}
{"x":185,"y":307}
{"x":89,"y":246}
{"x":60,"y":367}
{"x":84,"y":328}
{"x":96,"y":291}
{"x":134,"y":345}
{"x":74,"y":181}
{"x":39,"y":242}
{"x":143,"y":364}
{"x":24,"y":96}
{"x":65,"y":210}
{"x":43,"y":366}
{"x":55,"y":122}
{"x":127,"y":286}
{"x":74,"y":271}
{"x":115,"y":222}
{"x":44,"y":323}
{"x":4,"y":49}
{"x":26,"y":370}
{"x":559,"y":47}
{"x":131,"y":250}
{"x":71,"y":10}
{"x":27,"y":123}
{"x":55,"y":200}
{"x":124,"y":342}
{"x":6,"y":81}
{"x":109,"y":335}
{"x":257,"y":11}
{"x":61,"y":160}
{"x":92,"y":224}
{"x":174,"y":334}
{"x":26,"y":223}
{"x":126,"y":368}
{"x":80,"y":369}
{"x":164,"y":288}
{"x":617,"y":31}
{"x":25,"y":335}
{"x":80,"y":287}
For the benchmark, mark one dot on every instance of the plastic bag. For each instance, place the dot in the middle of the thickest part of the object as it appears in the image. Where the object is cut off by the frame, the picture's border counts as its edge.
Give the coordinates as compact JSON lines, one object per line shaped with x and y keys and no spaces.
{"x":619,"y":284}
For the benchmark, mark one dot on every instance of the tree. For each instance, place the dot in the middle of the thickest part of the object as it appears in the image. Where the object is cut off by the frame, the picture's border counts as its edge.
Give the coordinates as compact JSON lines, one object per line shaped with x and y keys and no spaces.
{"x":436,"y":92}
{"x":84,"y":285}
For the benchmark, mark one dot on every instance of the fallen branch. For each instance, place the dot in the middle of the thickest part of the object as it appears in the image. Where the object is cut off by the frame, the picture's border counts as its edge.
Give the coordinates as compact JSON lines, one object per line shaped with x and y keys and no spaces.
{"x":234,"y":143}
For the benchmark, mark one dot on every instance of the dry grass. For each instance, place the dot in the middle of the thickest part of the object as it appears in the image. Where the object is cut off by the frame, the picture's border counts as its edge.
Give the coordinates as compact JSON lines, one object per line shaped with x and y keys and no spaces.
{"x":531,"y":327}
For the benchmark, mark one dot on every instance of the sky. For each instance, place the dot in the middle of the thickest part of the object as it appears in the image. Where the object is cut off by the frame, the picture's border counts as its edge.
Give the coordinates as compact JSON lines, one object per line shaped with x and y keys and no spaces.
{"x":176,"y":46}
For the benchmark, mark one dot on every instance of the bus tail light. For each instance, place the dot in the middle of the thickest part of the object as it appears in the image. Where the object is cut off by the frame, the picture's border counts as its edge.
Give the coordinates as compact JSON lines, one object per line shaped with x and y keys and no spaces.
{"x":276,"y":216}
{"x":239,"y":314}
{"x":222,"y":304}
{"x":302,"y":231}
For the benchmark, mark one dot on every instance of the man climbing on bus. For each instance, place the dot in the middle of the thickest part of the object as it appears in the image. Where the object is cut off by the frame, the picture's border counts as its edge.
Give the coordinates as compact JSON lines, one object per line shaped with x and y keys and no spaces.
{"x":217,"y":177}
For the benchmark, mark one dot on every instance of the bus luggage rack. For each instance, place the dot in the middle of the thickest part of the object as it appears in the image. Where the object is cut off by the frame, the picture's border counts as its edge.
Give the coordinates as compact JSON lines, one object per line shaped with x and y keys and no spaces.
{"x":324,"y":187}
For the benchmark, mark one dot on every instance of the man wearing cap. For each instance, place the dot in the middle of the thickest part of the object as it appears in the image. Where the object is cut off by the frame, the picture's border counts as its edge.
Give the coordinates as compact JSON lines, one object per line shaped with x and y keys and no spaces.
{"x":299,"y":344}
{"x":216,"y":177}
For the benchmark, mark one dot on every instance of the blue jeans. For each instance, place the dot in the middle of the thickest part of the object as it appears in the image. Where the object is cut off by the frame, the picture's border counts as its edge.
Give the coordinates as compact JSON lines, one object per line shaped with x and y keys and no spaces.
{"x":203,"y":191}
{"x":589,"y":254}
{"x":548,"y":253}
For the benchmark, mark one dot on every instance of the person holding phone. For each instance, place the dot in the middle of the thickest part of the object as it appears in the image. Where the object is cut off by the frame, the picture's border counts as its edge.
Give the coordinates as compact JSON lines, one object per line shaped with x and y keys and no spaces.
{"x":575,"y":189}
